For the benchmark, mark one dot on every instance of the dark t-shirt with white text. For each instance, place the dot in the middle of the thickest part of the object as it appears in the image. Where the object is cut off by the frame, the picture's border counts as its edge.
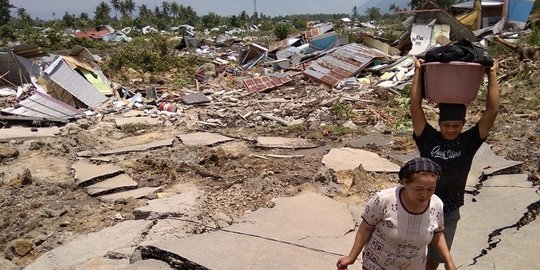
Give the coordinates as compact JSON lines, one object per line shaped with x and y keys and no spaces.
{"x":455,"y":158}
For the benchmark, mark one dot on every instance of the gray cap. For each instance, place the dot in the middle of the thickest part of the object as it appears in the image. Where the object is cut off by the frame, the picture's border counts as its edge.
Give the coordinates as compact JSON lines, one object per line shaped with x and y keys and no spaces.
{"x":419,"y":165}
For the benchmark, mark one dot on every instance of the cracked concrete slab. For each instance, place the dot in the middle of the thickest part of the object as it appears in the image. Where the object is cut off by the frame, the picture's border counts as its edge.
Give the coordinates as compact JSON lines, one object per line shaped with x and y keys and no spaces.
{"x":180,"y":205}
{"x":287,"y":143}
{"x":82,"y":251}
{"x":311,"y":219}
{"x":139,"y":148}
{"x":122,"y":181}
{"x":203,"y":139}
{"x":19,"y":133}
{"x":343,"y":159}
{"x":85,"y":171}
{"x":167,"y":229}
{"x":309,"y":231}
{"x":222,"y":250}
{"x":486,"y":162}
{"x":518,"y":249}
{"x":135,"y":193}
{"x":502,"y":201}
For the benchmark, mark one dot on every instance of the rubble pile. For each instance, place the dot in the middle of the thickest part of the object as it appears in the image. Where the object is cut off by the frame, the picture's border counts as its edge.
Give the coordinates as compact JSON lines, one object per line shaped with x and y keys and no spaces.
{"x":252,"y":122}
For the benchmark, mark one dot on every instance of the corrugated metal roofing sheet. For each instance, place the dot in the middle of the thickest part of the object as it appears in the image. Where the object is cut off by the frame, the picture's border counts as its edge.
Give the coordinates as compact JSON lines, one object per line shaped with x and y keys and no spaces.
{"x":42,"y":106}
{"x":265,"y":83}
{"x":342,"y":63}
{"x":62,"y":74}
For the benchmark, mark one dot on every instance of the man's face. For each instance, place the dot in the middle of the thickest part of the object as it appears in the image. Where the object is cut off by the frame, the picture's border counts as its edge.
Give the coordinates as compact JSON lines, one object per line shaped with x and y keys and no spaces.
{"x":450,"y":130}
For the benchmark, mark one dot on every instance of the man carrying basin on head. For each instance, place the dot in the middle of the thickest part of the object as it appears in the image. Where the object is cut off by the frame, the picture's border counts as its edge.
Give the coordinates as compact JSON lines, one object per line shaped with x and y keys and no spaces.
{"x":451,"y":148}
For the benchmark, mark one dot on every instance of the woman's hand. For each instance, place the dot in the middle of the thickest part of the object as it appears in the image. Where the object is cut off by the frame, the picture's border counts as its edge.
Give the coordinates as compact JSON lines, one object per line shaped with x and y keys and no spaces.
{"x":344,"y":262}
{"x":450,"y":266}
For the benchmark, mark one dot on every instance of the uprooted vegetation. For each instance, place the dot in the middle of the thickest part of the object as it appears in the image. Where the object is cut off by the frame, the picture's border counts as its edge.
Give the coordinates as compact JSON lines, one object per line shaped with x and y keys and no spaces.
{"x":154,"y":54}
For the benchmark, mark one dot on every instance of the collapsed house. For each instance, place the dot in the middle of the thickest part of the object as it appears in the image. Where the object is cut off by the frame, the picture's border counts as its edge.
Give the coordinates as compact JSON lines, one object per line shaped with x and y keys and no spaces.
{"x":52,"y":88}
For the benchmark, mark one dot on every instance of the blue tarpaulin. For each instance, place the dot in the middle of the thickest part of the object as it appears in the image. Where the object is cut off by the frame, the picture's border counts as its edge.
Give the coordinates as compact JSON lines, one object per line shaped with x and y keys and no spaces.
{"x":519,"y":10}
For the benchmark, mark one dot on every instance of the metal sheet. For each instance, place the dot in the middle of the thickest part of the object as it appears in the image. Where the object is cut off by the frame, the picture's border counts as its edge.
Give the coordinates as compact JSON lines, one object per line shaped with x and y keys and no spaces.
{"x":71,"y":81}
{"x":42,"y":106}
{"x":264,"y":83}
{"x":344,"y":62}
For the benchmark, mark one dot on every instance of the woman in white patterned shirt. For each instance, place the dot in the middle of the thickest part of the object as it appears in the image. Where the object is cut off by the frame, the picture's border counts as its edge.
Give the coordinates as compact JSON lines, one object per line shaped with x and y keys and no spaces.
{"x":398,"y":223}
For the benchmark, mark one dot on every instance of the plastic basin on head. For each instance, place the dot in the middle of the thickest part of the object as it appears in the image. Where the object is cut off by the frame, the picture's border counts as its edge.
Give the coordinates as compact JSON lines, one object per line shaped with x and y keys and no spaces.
{"x":452,"y":82}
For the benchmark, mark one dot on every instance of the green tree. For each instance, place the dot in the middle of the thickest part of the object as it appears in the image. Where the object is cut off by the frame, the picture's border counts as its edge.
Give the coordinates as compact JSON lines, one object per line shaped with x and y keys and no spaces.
{"x":102,"y":13}
{"x":299,"y":22}
{"x":7,"y":32}
{"x":355,"y":14}
{"x":115,"y":5}
{"x":175,"y":10}
{"x":165,"y":9}
{"x":127,"y":8}
{"x":233,"y":21}
{"x":211,"y":20}
{"x":84,"y":16}
{"x":145,"y":14}
{"x":243,"y":18}
{"x":373,"y":13}
{"x":68,"y":20}
{"x":283,"y":30}
{"x":188,"y":14}
{"x":5,"y":13}
{"x":24,"y":17}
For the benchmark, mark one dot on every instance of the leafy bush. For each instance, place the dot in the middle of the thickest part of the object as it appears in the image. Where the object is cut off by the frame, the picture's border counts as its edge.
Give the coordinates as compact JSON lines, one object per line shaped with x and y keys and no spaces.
{"x":343,"y":111}
{"x":7,"y":32}
{"x":154,"y":54}
{"x":534,"y":37}
{"x":86,"y":43}
{"x":283,"y":30}
{"x":498,"y":50}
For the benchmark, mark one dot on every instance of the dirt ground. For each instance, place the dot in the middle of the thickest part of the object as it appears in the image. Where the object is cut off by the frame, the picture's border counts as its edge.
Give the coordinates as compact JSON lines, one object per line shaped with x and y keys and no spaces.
{"x":52,"y":208}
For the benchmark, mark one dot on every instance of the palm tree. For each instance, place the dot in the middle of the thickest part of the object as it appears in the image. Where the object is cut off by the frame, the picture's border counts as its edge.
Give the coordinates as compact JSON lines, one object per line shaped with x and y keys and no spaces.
{"x":144,"y":12}
{"x":190,"y":15}
{"x":130,"y":7}
{"x":116,"y":5}
{"x":24,"y":16}
{"x":175,"y":10}
{"x":166,"y":8}
{"x":157,"y":12}
{"x":102,"y":12}
{"x":84,"y":16}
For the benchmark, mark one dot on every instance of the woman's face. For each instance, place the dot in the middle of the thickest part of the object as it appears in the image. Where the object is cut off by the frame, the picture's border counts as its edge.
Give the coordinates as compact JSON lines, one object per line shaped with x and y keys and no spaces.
{"x":421,"y":186}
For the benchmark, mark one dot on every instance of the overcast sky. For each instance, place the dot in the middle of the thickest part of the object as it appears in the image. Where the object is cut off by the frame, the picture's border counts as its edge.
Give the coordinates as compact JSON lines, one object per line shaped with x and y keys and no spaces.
{"x":45,"y":8}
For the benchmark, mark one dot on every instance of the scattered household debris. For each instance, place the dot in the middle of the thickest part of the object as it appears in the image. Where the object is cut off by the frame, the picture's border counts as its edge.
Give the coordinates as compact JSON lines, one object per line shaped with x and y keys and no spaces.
{"x":313,"y":85}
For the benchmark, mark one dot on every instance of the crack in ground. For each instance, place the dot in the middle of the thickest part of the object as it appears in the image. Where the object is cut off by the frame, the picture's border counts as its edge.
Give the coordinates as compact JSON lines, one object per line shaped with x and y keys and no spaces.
{"x":174,"y":260}
{"x":532,"y":213}
{"x":147,"y":230}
